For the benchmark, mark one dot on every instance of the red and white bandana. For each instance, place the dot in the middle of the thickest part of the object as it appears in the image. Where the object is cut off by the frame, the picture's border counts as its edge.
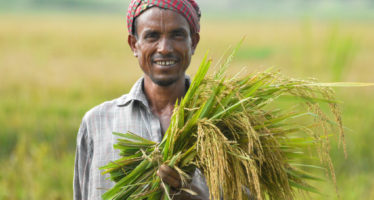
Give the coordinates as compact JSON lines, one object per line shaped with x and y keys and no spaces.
{"x":187,"y":8}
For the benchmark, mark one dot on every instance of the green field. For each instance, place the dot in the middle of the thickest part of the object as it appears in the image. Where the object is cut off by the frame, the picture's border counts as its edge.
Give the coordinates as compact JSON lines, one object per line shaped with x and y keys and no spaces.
{"x":54,"y":68}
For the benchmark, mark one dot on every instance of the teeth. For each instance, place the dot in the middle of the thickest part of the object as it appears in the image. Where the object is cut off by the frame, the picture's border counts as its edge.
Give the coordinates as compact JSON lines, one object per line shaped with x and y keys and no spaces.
{"x":165,"y":63}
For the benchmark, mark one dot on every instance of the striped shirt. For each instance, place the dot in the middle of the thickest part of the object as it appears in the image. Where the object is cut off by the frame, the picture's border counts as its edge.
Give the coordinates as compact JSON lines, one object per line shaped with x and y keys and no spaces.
{"x":129,"y":113}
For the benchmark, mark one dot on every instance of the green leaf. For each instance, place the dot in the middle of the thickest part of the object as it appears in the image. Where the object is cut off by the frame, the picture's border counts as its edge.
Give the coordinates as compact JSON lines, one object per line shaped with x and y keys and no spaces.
{"x":203,"y":69}
{"x":133,"y":137}
{"x":127,"y":180}
{"x":304,"y":187}
{"x":223,"y":68}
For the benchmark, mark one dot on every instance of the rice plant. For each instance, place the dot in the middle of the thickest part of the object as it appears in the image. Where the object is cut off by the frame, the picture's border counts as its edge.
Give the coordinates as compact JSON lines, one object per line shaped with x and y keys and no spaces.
{"x":232,"y":130}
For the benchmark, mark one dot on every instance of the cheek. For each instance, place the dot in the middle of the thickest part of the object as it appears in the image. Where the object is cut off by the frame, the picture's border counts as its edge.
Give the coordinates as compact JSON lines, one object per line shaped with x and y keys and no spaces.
{"x":190,"y":48}
{"x":185,"y":50}
{"x":187,"y":55}
{"x":143,"y":55}
{"x":146,"y":51}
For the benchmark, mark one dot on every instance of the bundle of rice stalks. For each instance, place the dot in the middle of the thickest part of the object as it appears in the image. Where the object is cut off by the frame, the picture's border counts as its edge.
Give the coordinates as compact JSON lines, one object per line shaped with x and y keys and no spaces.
{"x":233,"y":130}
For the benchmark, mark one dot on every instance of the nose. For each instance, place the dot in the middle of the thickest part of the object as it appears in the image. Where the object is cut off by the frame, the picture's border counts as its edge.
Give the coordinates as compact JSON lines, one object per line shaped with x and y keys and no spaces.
{"x":165,"y":46}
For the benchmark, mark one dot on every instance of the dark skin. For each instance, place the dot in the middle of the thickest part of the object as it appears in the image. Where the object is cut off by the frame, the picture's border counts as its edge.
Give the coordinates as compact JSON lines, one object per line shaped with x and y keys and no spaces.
{"x":164,"y":44}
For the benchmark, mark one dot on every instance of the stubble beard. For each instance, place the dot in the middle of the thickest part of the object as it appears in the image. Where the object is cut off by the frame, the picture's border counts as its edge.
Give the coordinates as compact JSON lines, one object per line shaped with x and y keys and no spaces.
{"x":163,"y":83}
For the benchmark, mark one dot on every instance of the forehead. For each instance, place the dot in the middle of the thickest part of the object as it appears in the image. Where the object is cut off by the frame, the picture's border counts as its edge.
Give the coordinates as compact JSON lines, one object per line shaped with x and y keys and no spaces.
{"x":161,"y":19}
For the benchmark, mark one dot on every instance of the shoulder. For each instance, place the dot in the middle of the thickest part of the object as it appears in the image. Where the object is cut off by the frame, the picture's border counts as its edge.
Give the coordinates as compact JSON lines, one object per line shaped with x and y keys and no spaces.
{"x":103,"y":110}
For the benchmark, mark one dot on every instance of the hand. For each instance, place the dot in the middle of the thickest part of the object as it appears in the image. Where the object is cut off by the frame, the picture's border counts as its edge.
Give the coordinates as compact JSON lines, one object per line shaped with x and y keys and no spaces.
{"x":169,"y":176}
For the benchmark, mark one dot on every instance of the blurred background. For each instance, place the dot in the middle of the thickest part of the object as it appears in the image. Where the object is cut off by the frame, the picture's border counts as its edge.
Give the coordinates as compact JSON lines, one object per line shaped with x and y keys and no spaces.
{"x":59,"y":58}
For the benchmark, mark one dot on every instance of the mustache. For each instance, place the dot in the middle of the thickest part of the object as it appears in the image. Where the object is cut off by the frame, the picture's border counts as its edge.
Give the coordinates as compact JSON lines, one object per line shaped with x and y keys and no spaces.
{"x":169,"y":56}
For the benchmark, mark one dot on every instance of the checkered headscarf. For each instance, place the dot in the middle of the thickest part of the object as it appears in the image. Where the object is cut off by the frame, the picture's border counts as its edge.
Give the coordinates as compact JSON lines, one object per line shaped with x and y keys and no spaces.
{"x":187,"y":8}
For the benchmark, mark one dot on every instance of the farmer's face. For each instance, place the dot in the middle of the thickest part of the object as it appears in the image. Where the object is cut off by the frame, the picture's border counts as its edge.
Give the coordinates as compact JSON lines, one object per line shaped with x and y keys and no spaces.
{"x":164,"y":45}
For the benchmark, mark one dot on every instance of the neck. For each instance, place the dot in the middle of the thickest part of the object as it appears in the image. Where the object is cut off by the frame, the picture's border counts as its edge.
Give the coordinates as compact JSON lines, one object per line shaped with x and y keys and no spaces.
{"x":162,"y":98}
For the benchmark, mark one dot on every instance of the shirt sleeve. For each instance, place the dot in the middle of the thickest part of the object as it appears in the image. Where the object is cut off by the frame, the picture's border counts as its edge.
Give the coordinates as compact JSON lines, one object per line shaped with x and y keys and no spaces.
{"x":198,"y":185}
{"x":83,"y":157}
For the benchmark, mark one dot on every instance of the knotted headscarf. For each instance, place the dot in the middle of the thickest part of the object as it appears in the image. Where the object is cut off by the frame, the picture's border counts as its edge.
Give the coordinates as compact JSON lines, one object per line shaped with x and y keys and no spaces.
{"x":187,"y":8}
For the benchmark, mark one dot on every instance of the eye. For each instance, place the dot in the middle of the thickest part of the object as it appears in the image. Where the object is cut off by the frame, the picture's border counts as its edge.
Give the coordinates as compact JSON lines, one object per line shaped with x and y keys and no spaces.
{"x":179,"y":34}
{"x":151,"y":36}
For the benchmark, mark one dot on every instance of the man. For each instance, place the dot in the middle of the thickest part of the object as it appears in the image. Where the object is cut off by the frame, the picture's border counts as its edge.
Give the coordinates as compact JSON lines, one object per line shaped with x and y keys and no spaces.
{"x":163,"y":35}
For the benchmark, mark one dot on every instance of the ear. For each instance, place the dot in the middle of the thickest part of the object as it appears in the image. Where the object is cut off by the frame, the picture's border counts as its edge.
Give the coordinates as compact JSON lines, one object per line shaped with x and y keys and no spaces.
{"x":195,"y":37}
{"x":131,"y":40}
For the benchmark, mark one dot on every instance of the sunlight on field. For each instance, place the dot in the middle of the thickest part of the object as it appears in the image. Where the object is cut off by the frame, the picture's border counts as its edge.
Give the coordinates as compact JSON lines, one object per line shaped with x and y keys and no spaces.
{"x":54,"y":68}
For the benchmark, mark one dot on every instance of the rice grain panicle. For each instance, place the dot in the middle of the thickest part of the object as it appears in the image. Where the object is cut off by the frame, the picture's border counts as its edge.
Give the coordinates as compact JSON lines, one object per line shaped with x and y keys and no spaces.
{"x":235,"y":131}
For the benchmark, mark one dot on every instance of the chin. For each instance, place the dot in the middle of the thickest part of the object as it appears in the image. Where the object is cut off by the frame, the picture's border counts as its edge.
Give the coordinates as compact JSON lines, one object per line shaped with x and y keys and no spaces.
{"x":164,"y":82}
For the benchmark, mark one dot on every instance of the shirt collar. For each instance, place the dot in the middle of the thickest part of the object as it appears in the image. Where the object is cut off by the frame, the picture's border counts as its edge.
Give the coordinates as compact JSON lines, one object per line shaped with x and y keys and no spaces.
{"x":137,"y":94}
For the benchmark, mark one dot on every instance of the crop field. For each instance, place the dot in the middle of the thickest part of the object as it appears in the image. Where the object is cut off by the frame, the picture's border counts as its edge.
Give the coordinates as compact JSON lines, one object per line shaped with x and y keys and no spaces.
{"x":55,"y":67}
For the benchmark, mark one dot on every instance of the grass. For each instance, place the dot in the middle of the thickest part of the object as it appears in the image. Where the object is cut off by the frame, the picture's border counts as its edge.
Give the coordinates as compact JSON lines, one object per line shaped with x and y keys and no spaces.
{"x":54,"y":68}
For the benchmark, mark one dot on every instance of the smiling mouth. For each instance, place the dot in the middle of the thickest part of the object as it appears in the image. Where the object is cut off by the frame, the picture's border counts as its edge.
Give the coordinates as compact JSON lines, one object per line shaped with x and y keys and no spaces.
{"x":166,"y":62}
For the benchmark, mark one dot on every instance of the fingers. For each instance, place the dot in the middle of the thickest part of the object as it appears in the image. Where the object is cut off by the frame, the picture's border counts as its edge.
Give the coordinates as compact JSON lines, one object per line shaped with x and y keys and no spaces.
{"x":169,"y":176}
{"x":169,"y":171}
